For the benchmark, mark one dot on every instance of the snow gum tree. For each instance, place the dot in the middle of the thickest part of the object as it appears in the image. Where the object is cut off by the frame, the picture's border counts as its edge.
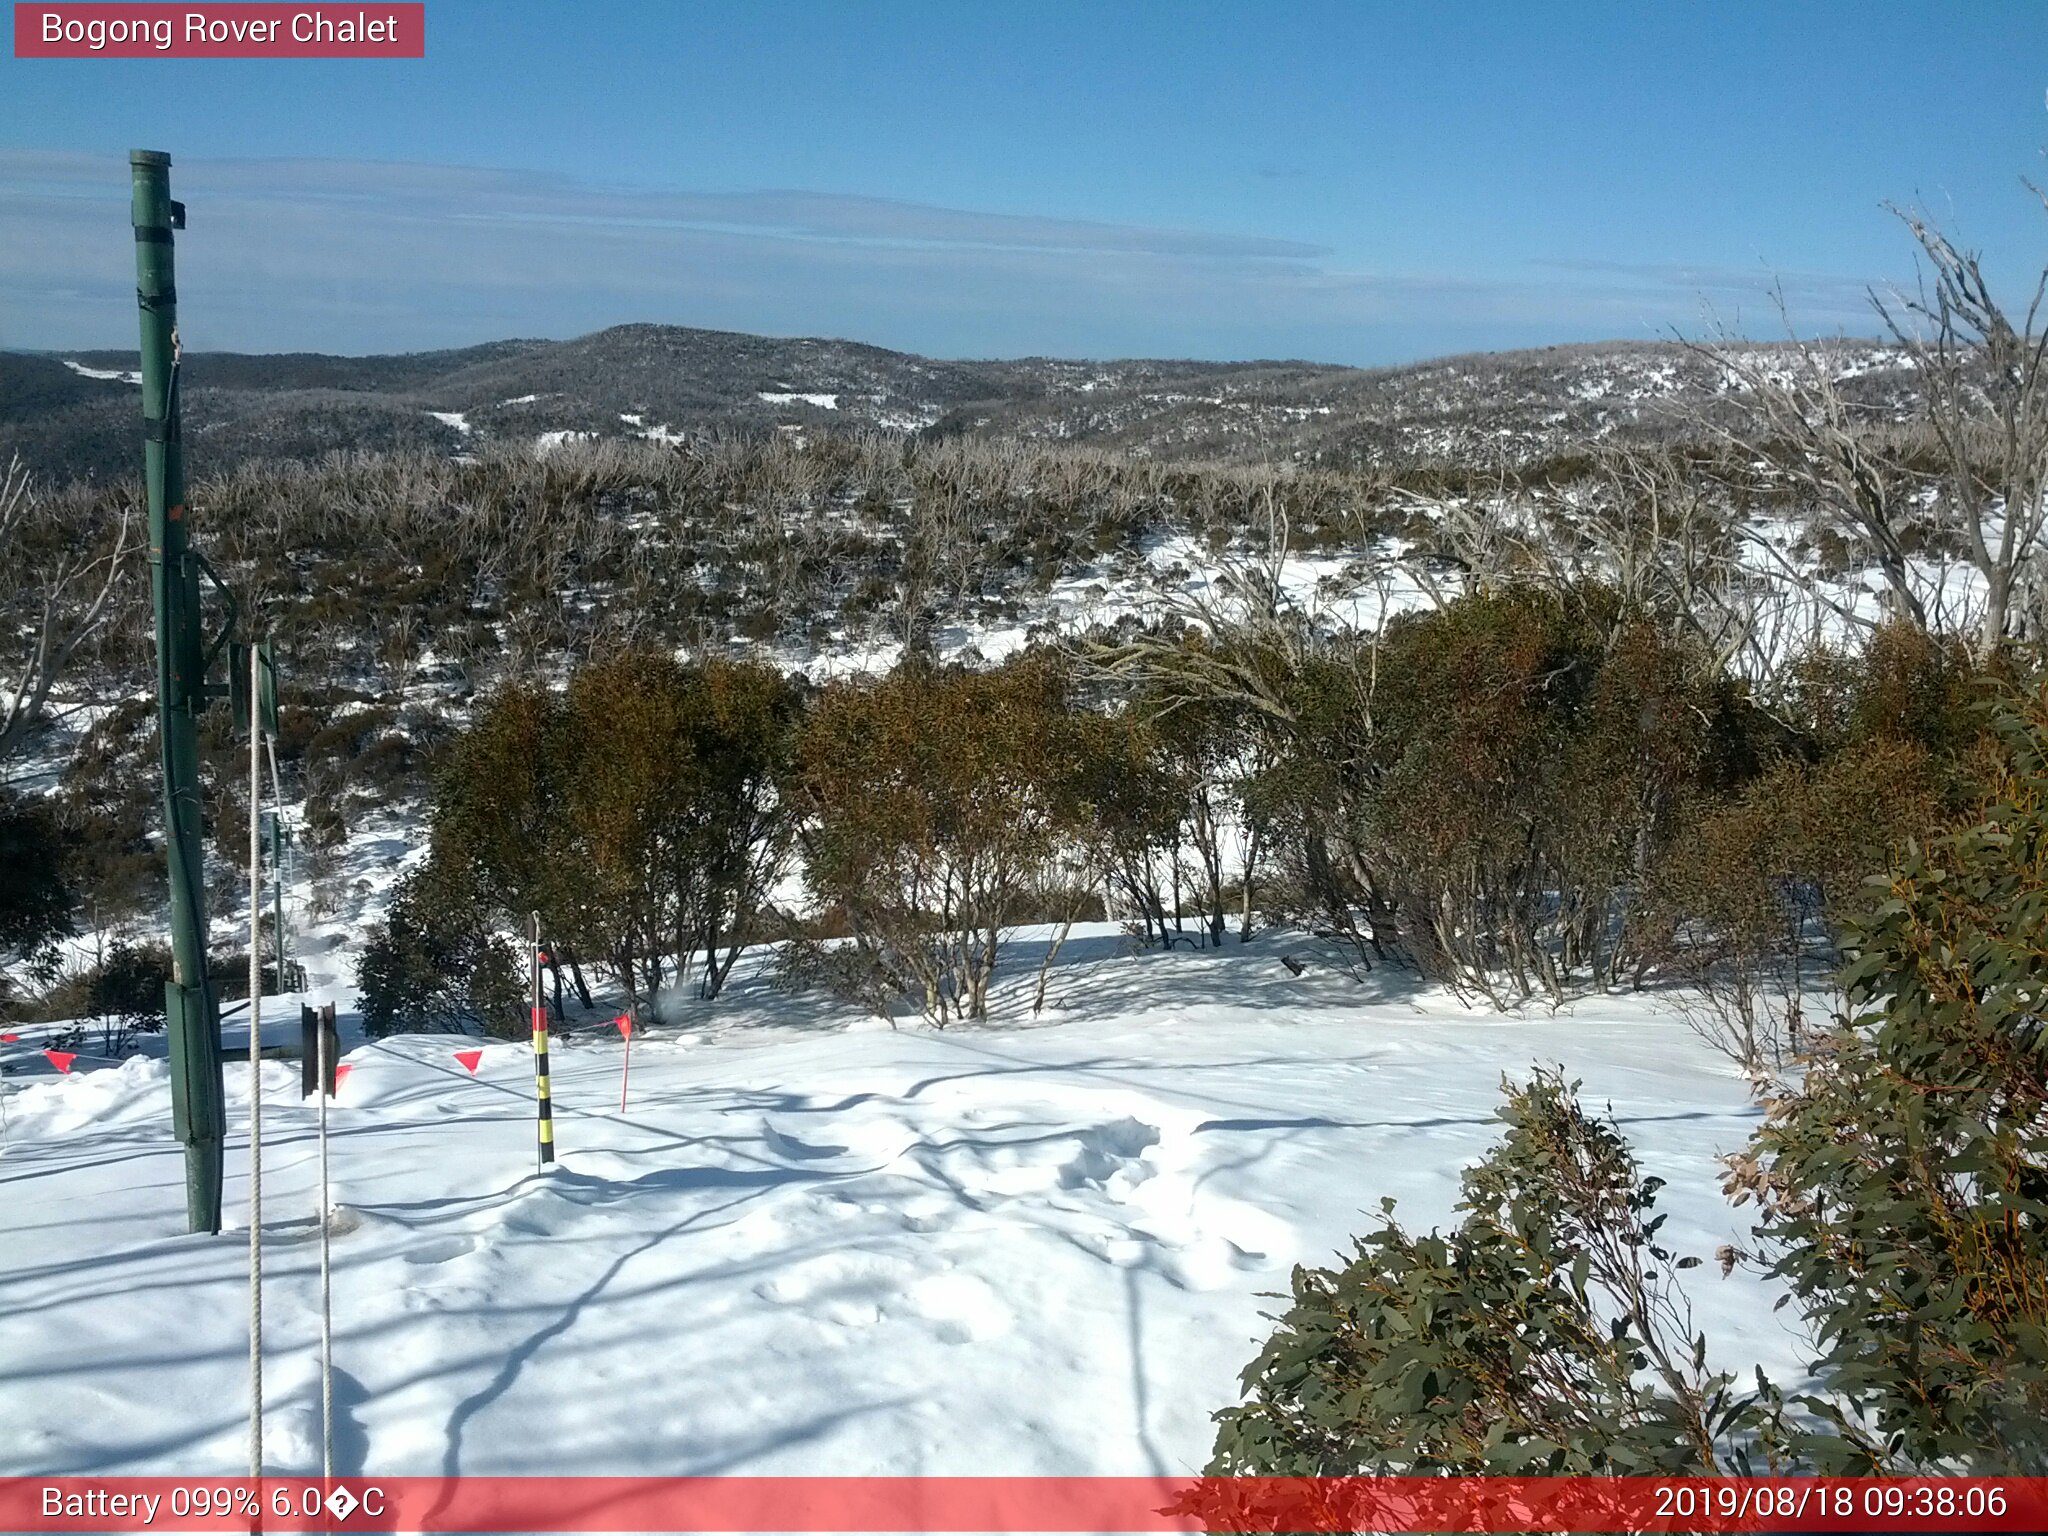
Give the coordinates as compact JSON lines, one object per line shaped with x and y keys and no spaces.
{"x":439,"y":961}
{"x":641,"y":812}
{"x":673,"y":825}
{"x":1963,"y":477}
{"x":934,"y":802}
{"x":35,"y":901}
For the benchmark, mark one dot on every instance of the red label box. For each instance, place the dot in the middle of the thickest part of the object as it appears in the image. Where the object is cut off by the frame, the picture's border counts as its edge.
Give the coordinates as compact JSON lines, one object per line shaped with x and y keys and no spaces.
{"x":241,"y":31}
{"x":1144,"y":1506}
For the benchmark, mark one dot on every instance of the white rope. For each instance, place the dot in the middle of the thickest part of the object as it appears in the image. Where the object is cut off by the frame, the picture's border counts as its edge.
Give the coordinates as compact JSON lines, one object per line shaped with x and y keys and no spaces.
{"x":323,"y":1070}
{"x":255,"y":1075}
{"x":326,"y":1275}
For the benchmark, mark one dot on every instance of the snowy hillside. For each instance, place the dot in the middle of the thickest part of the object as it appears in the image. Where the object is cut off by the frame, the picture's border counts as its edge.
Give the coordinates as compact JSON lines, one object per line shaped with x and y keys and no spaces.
{"x":808,"y":1245}
{"x":73,"y":414}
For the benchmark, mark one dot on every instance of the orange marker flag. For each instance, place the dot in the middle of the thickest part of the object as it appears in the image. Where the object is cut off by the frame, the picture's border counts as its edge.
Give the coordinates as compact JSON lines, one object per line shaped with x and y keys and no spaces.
{"x":625,"y":1024}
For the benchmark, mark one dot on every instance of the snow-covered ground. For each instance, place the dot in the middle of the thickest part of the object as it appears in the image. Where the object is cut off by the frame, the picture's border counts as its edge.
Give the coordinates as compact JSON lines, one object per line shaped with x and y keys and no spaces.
{"x":809,"y":1244}
{"x":125,"y":375}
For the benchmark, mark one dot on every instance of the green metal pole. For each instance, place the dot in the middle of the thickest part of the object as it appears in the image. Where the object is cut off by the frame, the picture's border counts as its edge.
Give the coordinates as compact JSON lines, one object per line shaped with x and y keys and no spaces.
{"x":197,"y":1106}
{"x":277,"y":839}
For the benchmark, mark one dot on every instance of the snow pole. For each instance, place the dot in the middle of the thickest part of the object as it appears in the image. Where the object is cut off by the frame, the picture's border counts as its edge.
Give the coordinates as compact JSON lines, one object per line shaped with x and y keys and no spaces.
{"x":255,"y":1077}
{"x":543,"y":1095}
{"x":625,"y":1023}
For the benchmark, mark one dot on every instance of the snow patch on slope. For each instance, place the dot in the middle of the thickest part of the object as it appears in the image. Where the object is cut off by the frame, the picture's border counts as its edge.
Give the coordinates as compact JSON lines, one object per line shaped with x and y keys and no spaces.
{"x":125,"y":376}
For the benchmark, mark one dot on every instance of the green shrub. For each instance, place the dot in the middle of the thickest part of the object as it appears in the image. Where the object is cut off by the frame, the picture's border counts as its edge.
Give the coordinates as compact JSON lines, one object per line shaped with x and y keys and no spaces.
{"x":641,"y":812}
{"x":1544,"y":1334}
{"x":1761,"y":880}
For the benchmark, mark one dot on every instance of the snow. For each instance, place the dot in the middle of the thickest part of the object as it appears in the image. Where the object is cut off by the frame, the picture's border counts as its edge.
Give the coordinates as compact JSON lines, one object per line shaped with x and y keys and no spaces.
{"x":660,"y":432}
{"x":912,"y":418}
{"x":459,"y":420}
{"x":822,"y":402}
{"x":124,"y":375}
{"x":547,"y":442}
{"x":810,"y":1244}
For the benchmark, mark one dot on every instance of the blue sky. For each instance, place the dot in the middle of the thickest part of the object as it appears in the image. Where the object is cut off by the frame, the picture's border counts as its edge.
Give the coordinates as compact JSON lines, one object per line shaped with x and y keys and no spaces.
{"x":1354,"y":183}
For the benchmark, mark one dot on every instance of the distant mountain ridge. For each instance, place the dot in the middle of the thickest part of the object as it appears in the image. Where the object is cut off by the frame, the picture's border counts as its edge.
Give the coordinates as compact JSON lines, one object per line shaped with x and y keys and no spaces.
{"x":74,"y":414}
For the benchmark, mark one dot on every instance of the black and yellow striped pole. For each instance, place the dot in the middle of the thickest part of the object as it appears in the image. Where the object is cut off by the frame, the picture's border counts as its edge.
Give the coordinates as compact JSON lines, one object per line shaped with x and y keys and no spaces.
{"x":543,"y":1095}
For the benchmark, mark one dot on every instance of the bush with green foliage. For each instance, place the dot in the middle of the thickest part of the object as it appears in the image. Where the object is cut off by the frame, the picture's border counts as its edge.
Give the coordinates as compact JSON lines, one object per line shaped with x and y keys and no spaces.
{"x":1164,"y":781}
{"x":1544,"y":1334}
{"x":126,"y":994}
{"x":1761,"y":880}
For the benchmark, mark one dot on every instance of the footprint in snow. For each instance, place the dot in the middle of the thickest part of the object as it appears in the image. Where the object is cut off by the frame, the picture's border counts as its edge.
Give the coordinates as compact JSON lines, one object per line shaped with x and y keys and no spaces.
{"x":439,"y":1250}
{"x":841,"y":1287}
{"x":961,"y":1308}
{"x":1111,"y":1152}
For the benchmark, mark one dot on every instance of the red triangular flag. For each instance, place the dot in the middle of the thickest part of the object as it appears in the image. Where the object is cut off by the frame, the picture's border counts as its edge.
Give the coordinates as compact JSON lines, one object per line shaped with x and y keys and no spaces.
{"x":62,"y":1060}
{"x":469,"y":1058}
{"x":625,"y":1023}
{"x":341,"y":1072}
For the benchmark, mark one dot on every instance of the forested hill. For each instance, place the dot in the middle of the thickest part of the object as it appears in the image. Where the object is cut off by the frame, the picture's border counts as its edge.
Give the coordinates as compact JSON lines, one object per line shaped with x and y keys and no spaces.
{"x":74,"y":414}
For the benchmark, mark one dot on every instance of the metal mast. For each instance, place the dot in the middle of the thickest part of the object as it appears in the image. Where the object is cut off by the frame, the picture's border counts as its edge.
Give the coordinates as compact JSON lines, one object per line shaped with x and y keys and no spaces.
{"x":183,"y":655}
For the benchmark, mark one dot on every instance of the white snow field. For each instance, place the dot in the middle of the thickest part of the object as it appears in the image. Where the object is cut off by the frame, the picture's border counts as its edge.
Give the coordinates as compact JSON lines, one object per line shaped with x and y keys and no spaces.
{"x":810,"y":1244}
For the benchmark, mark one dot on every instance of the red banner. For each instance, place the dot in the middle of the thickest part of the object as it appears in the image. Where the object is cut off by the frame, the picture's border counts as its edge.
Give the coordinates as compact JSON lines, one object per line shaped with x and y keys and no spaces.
{"x":1003,"y":1504}
{"x":99,"y":31}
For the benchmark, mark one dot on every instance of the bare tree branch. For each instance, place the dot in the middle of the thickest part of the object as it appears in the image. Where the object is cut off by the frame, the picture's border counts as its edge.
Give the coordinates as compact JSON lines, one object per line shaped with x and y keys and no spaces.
{"x":62,"y":599}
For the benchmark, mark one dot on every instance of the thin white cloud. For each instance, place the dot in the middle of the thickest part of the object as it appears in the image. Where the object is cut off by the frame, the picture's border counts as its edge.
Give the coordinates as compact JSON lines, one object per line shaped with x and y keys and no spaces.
{"x":356,"y":256}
